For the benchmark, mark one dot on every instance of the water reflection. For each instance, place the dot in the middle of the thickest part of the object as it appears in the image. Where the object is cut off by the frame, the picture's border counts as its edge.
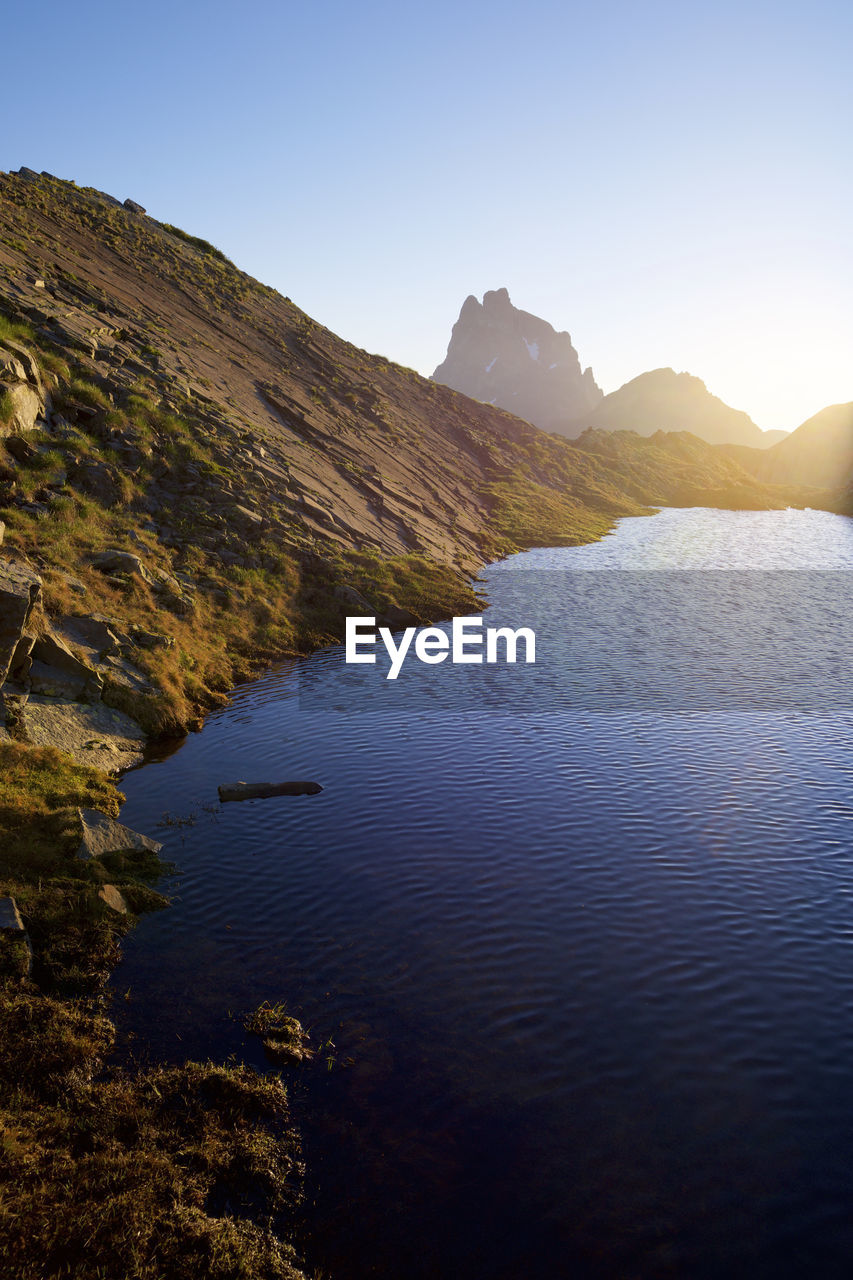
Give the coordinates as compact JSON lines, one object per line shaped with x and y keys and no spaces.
{"x":588,"y":976}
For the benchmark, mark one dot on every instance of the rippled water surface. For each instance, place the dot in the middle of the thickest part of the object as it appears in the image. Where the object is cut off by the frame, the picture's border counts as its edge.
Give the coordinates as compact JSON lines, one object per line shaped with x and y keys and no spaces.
{"x":588,"y":977}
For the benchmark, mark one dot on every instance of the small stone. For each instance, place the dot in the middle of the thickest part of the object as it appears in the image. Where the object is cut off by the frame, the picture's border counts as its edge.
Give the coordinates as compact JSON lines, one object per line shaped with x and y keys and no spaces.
{"x":20,"y":449}
{"x":109,"y":894}
{"x":114,"y":561}
{"x":151,"y":639}
{"x":74,"y":584}
{"x":245,"y":516}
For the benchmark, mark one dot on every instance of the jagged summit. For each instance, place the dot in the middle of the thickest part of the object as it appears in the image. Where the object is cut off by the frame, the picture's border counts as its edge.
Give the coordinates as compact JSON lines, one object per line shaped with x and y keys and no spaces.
{"x":518,"y":361}
{"x":663,"y":400}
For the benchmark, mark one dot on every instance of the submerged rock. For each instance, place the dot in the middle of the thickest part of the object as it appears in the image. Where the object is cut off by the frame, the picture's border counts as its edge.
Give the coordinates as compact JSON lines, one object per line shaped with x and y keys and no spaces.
{"x":262,"y":790}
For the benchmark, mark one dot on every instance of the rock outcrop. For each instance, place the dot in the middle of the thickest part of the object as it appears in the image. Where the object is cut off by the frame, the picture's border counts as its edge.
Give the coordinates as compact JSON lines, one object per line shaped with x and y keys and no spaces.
{"x":663,"y":400}
{"x":517,"y":361}
{"x":102,"y":834}
{"x":63,"y":685}
{"x":92,"y":733}
{"x":20,"y":594}
{"x":23,"y":399}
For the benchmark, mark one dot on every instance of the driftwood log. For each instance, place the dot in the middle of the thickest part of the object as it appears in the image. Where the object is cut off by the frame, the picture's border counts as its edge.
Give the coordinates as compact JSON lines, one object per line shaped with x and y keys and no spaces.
{"x":261,"y":790}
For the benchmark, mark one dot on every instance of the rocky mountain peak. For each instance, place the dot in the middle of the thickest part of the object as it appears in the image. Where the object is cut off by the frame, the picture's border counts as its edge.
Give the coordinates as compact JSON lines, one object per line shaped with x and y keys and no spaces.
{"x":518,"y":361}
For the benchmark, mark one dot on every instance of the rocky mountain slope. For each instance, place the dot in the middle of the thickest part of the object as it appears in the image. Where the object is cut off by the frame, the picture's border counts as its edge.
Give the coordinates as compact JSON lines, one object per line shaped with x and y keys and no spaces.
{"x":663,"y":400}
{"x":515,"y":360}
{"x":196,"y":475}
{"x":819,"y":453}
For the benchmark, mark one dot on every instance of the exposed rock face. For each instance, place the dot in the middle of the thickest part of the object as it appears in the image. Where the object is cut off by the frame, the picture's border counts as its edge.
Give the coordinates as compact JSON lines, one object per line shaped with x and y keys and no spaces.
{"x":20,"y":592}
{"x":60,"y":691}
{"x":92,"y":733}
{"x":663,"y":400}
{"x":517,"y":361}
{"x":57,"y":672}
{"x":24,"y":395}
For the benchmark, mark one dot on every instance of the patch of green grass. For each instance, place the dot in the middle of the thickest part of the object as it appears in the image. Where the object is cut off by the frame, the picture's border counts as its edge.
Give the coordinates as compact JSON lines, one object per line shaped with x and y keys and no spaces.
{"x":40,"y":788}
{"x":16,"y":330}
{"x":54,"y":363}
{"x":7,"y":407}
{"x":74,"y":933}
{"x":281,"y":1033}
{"x":525,"y":514}
{"x":203,"y":246}
{"x":181,"y":1172}
{"x":81,"y":391}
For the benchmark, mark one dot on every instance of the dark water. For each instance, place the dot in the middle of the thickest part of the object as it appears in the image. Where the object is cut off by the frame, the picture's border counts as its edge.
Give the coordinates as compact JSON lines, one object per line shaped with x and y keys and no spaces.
{"x":588,"y":975}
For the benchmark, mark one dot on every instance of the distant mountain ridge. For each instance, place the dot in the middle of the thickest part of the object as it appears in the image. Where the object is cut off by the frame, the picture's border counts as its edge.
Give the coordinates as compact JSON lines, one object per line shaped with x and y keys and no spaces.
{"x":818,"y":453}
{"x":510,"y":358}
{"x":517,"y":361}
{"x":663,"y":400}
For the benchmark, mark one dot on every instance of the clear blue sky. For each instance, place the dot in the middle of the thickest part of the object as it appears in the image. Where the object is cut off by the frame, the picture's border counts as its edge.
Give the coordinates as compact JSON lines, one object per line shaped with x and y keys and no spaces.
{"x":671,"y":182}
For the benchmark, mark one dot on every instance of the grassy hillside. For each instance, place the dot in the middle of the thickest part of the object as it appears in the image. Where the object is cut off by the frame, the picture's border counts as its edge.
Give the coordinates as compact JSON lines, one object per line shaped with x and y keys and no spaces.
{"x":819,"y":453}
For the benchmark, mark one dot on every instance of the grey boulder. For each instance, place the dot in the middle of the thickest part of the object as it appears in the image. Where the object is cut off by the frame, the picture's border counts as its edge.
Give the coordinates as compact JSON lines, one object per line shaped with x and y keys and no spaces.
{"x":102,"y":834}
